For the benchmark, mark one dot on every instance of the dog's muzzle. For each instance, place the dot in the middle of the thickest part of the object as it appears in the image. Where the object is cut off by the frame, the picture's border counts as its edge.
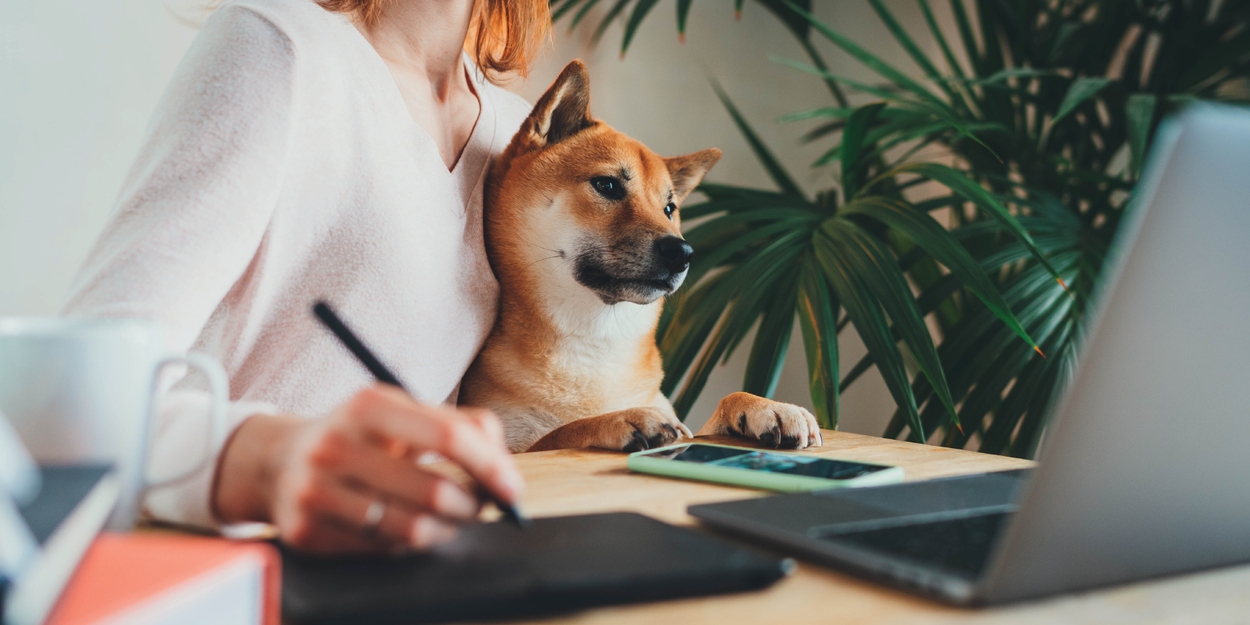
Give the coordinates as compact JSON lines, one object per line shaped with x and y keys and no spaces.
{"x":651,"y":271}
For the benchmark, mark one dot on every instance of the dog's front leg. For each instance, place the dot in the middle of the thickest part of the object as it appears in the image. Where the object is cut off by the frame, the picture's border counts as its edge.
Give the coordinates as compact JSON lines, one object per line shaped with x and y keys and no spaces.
{"x":770,"y":422}
{"x":633,"y":429}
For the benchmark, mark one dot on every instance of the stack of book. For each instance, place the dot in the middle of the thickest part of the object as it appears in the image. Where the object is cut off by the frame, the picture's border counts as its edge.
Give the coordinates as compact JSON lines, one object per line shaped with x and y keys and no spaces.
{"x":57,"y":569}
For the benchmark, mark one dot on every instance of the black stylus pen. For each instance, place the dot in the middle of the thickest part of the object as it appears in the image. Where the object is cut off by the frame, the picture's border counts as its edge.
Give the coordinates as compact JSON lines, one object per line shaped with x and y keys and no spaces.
{"x":354,"y":345}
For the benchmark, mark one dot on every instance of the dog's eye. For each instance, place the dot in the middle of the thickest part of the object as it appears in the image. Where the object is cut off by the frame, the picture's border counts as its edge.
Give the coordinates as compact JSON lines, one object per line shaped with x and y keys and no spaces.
{"x":669,"y":209}
{"x":608,"y":187}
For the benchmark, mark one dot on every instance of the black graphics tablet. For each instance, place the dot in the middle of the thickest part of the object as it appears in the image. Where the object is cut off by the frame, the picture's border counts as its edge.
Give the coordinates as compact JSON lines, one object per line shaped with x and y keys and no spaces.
{"x":495,"y":570}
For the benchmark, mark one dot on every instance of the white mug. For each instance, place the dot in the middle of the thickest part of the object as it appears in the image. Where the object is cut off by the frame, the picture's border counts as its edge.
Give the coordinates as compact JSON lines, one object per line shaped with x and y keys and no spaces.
{"x":82,"y":390}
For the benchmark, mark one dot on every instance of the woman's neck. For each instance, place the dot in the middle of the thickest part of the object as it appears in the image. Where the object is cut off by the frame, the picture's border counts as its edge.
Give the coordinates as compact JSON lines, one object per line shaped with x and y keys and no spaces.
{"x":424,"y":37}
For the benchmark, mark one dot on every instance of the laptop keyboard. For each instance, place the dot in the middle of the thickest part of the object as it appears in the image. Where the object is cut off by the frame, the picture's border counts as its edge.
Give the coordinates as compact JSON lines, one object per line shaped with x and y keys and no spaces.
{"x":960,"y":545}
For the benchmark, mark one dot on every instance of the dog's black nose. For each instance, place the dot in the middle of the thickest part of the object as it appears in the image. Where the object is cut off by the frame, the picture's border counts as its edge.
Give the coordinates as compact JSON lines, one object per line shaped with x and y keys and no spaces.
{"x":674,"y":252}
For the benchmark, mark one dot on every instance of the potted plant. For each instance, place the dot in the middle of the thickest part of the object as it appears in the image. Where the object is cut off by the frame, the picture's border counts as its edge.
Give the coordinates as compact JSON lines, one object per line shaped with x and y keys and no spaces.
{"x":1048,"y":108}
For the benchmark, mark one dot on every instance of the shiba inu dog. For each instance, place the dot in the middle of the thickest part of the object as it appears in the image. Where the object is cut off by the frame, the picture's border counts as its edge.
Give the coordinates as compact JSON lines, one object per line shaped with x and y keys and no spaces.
{"x":582,"y":227}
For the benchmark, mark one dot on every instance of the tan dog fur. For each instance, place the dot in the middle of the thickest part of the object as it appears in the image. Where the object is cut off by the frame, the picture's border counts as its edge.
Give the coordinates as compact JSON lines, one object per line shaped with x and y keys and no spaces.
{"x":572,"y":359}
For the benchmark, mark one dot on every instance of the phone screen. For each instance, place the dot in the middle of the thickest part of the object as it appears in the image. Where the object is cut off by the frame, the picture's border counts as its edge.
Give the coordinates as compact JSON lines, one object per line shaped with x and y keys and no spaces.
{"x":792,"y":464}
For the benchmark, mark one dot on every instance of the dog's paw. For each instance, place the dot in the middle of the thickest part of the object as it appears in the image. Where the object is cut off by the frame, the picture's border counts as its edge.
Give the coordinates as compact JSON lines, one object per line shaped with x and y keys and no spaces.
{"x":624,"y":430}
{"x":637,"y":429}
{"x":770,"y":422}
{"x":628,"y":430}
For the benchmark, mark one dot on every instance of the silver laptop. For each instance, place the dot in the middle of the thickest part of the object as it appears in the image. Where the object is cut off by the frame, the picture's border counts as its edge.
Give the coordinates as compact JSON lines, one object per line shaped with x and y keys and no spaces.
{"x":1145,"y":469}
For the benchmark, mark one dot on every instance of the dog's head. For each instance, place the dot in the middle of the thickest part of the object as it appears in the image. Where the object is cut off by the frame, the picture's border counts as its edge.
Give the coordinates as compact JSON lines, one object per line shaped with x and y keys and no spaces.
{"x":574,"y":204}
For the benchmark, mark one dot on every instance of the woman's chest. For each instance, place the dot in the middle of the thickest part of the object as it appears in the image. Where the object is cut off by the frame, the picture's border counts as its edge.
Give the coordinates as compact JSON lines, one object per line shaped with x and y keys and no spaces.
{"x":447,"y":115}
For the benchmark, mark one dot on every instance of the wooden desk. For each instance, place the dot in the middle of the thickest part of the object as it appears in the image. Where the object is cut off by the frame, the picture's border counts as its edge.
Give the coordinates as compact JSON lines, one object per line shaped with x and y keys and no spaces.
{"x":582,"y":481}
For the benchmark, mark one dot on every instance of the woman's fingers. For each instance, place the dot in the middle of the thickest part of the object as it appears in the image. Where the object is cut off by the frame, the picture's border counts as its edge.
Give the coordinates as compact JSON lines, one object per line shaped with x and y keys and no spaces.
{"x":396,"y":479}
{"x":339,"y":506}
{"x":391,"y":414}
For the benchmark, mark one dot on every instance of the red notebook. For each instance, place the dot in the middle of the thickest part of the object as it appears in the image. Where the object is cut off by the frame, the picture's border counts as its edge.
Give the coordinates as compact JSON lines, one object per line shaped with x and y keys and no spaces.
{"x":159,"y":579}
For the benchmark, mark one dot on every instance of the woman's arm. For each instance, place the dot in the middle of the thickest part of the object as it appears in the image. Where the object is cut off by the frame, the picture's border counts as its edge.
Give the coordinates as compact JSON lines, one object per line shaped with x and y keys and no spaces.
{"x":190,"y":217}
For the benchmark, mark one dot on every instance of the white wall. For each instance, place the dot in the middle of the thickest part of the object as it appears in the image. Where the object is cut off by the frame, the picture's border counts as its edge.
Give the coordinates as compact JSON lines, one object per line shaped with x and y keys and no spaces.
{"x":78,"y":79}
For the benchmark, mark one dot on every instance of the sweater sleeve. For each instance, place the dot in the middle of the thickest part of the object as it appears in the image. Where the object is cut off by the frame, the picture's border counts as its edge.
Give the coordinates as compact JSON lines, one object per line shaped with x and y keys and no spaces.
{"x":189,"y":220}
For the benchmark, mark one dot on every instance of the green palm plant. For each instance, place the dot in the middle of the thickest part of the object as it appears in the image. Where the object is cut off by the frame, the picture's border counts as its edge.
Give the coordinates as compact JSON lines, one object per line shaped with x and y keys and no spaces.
{"x":1048,"y":108}
{"x":771,"y":256}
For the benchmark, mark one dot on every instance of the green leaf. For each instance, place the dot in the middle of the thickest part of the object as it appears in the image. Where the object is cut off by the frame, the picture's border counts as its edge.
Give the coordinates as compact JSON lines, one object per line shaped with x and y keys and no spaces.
{"x":936,"y":31}
{"x":1217,"y":57}
{"x":763,"y":196}
{"x":559,"y":9}
{"x":991,"y":26}
{"x":635,"y":20}
{"x":737,"y":320}
{"x":969,"y":39}
{"x":581,"y":13}
{"x":959,"y":183}
{"x":964,"y":130}
{"x":607,"y":21}
{"x":904,"y":39}
{"x":696,"y":311}
{"x":927,"y":303}
{"x":865,"y":312}
{"x":739,"y":296}
{"x":987,"y":394}
{"x":897,"y":132}
{"x":820,"y":113}
{"x":1034,"y":392}
{"x":859,"y":369}
{"x":1012,"y":407}
{"x":886,"y":70}
{"x":937,"y":241}
{"x":1081,"y":90}
{"x":870,"y":259}
{"x":880,"y":92}
{"x":772,"y":340}
{"x":852,"y":143}
{"x":749,"y":210}
{"x":1139,"y":112}
{"x":817,"y":310}
{"x":1027,"y":437}
{"x":741,"y":220}
{"x":909,"y":45}
{"x":819,"y":62}
{"x":683,"y":11}
{"x":793,"y":21}
{"x":822,"y":131}
{"x":778,"y":173}
{"x":972,"y":349}
{"x":1061,"y":41}
{"x":718,"y":255}
{"x":1007,"y":74}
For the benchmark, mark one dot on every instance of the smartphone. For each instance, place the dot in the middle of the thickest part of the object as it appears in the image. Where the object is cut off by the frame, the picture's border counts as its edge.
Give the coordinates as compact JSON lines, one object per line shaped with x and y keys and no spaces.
{"x":769,"y":470}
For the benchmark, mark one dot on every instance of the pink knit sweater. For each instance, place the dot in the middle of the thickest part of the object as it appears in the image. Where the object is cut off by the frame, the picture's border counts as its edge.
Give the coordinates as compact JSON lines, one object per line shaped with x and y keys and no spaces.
{"x":282,"y":166}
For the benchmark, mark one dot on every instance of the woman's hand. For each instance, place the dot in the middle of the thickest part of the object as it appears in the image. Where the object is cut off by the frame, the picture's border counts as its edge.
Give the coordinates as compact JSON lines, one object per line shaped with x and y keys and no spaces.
{"x":322,"y":482}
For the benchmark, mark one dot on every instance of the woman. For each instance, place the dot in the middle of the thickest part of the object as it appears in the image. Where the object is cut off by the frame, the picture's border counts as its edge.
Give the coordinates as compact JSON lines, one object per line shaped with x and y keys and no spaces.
{"x":337,"y":151}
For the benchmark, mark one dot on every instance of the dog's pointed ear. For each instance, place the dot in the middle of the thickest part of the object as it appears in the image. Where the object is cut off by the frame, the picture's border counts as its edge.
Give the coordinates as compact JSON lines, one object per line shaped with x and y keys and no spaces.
{"x":687,"y":171}
{"x":563,"y":111}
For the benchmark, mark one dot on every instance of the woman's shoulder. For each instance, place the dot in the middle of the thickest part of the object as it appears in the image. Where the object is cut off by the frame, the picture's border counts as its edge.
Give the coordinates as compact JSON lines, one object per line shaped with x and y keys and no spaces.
{"x":277,"y":23}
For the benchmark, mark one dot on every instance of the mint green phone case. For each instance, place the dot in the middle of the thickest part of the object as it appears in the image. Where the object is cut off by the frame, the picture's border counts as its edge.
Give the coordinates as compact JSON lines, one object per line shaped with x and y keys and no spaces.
{"x":751,"y":478}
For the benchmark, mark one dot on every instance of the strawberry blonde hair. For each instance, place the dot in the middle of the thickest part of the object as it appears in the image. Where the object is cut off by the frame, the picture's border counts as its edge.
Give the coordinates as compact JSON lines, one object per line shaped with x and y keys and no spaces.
{"x":505,"y":36}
